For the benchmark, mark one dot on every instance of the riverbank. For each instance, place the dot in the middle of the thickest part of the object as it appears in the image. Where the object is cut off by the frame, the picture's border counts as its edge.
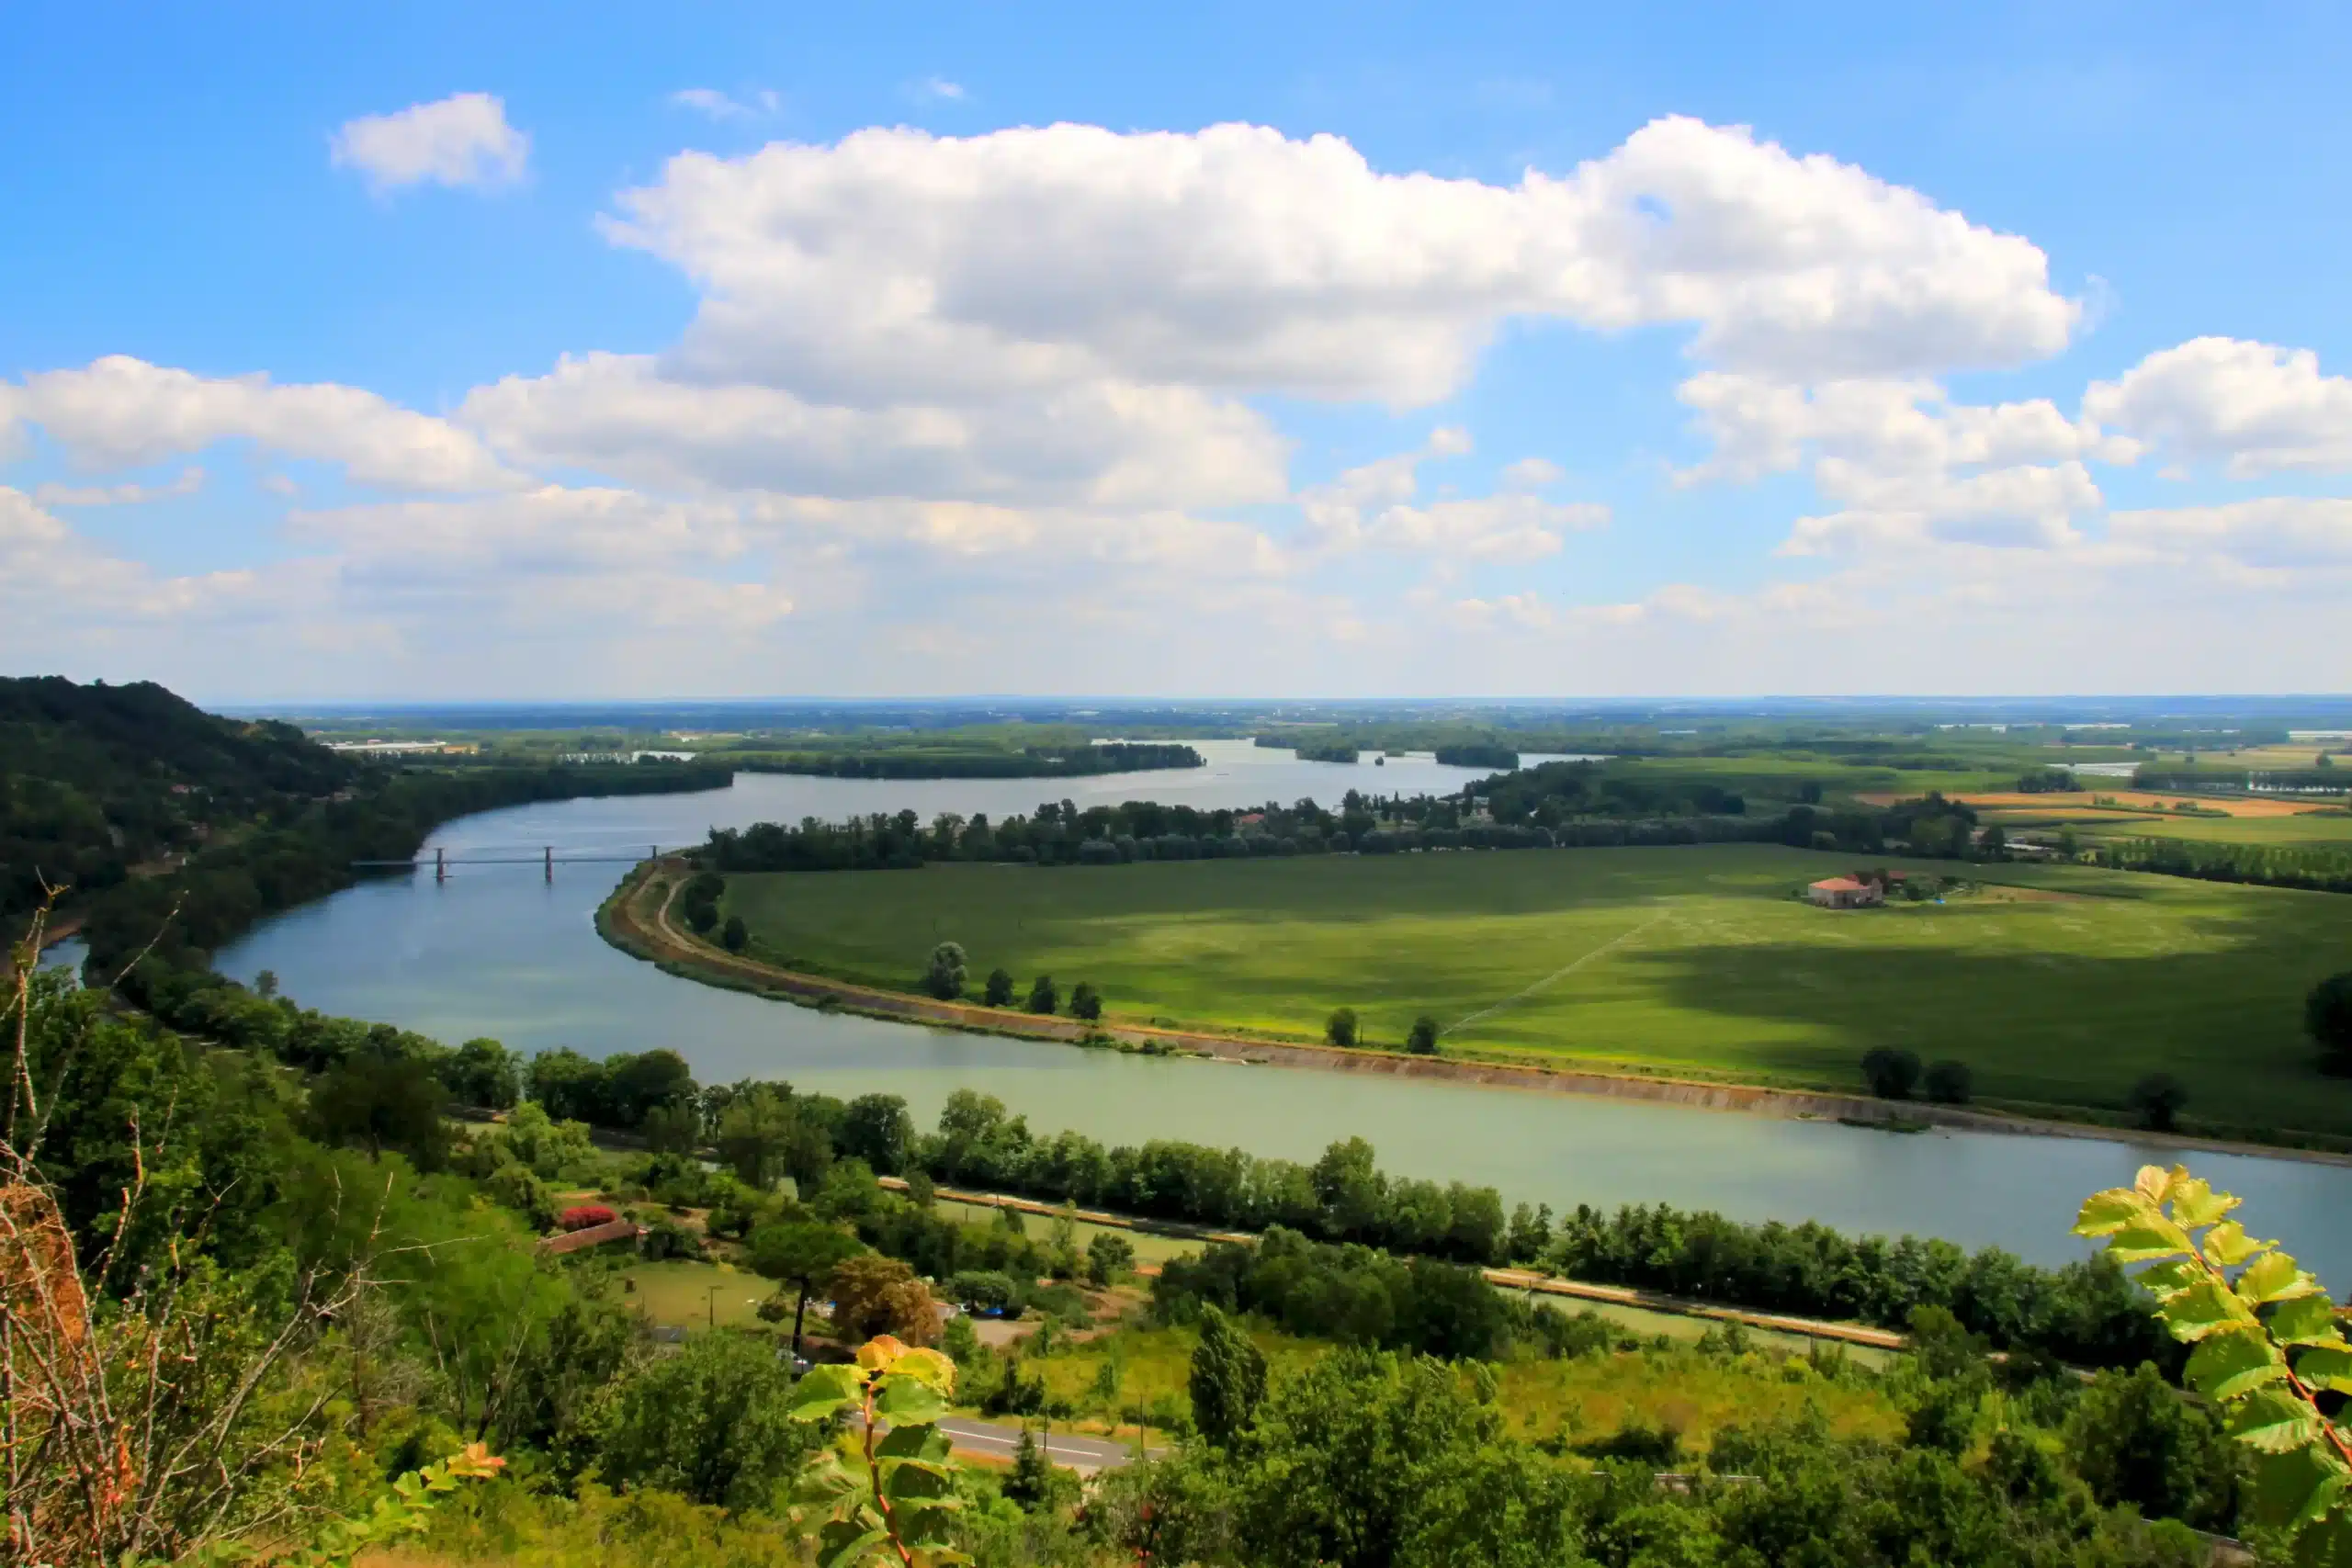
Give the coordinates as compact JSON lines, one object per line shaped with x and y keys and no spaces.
{"x":637,"y":919}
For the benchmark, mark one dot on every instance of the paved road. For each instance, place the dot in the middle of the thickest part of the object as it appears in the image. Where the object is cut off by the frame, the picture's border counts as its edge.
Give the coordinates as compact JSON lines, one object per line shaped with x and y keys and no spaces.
{"x":1071,"y":1451}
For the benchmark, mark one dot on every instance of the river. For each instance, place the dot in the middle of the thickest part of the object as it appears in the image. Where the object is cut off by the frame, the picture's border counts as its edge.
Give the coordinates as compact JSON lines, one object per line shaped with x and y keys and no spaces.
{"x":503,"y":952}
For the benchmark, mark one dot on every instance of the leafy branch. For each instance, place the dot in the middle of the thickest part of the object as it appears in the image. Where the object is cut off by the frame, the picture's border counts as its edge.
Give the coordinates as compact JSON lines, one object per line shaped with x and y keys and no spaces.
{"x":406,"y":1509}
{"x":2269,"y":1344}
{"x":899,"y":1506}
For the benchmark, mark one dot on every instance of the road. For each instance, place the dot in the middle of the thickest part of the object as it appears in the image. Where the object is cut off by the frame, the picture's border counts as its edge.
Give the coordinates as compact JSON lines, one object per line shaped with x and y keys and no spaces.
{"x":1070,"y":1450}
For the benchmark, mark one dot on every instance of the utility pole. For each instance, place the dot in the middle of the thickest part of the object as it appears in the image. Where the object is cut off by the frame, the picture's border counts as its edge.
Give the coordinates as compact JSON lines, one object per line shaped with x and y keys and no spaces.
{"x":440,"y":865}
{"x":710,"y":1305}
{"x":551,"y":866}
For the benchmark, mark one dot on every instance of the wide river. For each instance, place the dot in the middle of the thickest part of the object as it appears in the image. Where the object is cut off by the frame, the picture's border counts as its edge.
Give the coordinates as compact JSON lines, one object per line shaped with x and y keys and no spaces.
{"x":503,"y":952}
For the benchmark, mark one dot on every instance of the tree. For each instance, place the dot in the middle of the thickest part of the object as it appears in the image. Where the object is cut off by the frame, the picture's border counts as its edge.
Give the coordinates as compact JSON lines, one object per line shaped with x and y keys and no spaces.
{"x":2134,"y":1441}
{"x":2327,"y":1017}
{"x":1348,"y":1189}
{"x":1108,"y":1256}
{"x":1033,"y":1484}
{"x":2158,"y":1100}
{"x":876,"y":1129}
{"x":733,"y":935}
{"x":1891,"y":1073}
{"x":711,"y":1422}
{"x":637,"y":1082}
{"x":484,"y":1073}
{"x":1227,"y":1379}
{"x":1949,"y":1082}
{"x":1043,"y":998}
{"x":1086,"y":1002}
{"x":944,"y":975}
{"x":1339,"y":1029}
{"x":700,"y":918}
{"x":800,"y":1256}
{"x":1421,"y":1039}
{"x":873,"y":1295}
{"x":380,"y":1103}
{"x":1000,"y":988}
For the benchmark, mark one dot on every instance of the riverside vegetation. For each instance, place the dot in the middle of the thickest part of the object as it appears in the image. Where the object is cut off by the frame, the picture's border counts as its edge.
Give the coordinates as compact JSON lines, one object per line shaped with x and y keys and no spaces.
{"x":232,"y":1317}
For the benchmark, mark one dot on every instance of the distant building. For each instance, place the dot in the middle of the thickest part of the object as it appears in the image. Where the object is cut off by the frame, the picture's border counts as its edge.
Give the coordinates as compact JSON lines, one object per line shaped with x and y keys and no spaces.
{"x":1845,"y":893}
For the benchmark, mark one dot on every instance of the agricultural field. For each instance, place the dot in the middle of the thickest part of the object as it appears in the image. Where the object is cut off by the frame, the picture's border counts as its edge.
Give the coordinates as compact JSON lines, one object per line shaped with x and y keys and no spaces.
{"x":2058,"y":984}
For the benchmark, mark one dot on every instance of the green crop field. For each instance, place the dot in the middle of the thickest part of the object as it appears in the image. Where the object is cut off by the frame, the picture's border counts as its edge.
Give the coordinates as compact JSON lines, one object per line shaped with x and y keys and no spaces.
{"x":2061,"y":986}
{"x":2309,"y":830}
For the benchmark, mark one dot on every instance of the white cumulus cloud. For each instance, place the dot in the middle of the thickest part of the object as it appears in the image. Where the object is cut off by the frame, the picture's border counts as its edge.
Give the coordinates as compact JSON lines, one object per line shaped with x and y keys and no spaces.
{"x":894,"y":264}
{"x":2253,"y":407}
{"x":124,"y":412}
{"x":462,"y":140}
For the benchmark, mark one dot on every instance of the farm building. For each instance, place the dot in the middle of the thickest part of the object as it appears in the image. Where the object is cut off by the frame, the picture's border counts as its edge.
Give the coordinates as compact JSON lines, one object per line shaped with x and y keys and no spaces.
{"x":1845,"y":893}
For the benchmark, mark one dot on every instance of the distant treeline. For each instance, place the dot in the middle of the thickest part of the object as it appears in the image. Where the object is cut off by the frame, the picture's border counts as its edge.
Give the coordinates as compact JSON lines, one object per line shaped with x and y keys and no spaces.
{"x":959,"y":762}
{"x":1530,"y":810}
{"x":2329,"y":779}
{"x":2313,"y":869}
{"x":1478,"y":754}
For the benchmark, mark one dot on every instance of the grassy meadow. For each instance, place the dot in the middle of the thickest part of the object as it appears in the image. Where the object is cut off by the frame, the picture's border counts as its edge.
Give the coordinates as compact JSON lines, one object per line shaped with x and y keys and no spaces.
{"x":1589,"y":1396}
{"x":2058,"y":984}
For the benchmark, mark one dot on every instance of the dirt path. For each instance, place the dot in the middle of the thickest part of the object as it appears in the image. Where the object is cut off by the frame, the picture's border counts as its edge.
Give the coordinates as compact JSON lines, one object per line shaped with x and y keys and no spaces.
{"x":639,"y":924}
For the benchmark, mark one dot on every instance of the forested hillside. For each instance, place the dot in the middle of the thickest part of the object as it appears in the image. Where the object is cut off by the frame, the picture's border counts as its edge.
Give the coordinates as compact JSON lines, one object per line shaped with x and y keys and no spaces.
{"x":163,"y":824}
{"x":95,"y":780}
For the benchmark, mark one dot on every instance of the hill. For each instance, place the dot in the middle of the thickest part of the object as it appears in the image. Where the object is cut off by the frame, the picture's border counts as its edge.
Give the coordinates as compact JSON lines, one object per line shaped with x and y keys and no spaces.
{"x":98,"y":780}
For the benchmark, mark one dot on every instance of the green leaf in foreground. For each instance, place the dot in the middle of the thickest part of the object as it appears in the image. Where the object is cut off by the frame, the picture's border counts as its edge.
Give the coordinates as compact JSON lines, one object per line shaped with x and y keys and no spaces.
{"x":2228,"y":1365}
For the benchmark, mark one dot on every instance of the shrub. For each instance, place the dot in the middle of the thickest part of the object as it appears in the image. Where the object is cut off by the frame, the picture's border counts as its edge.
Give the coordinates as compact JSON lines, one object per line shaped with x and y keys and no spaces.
{"x":1000,"y":988}
{"x":733,"y":935}
{"x":1339,"y":1029}
{"x":2327,"y":1016}
{"x":1086,"y":1002}
{"x":1421,"y":1039}
{"x":1891,"y":1073}
{"x":1107,"y":1258}
{"x":1043,"y":998}
{"x":584,"y":1215}
{"x":944,"y":975}
{"x":2158,"y":1100}
{"x":980,"y":1289}
{"x":1950,"y":1083}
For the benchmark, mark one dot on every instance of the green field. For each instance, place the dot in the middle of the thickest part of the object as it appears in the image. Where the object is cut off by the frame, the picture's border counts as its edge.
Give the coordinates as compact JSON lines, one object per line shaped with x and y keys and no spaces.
{"x":693,"y":1296}
{"x":2062,"y":987}
{"x":2309,"y":830}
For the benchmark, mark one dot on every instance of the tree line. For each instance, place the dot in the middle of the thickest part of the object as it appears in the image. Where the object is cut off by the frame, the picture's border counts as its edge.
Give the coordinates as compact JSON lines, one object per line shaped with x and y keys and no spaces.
{"x":950,"y":762}
{"x":2266,"y":865}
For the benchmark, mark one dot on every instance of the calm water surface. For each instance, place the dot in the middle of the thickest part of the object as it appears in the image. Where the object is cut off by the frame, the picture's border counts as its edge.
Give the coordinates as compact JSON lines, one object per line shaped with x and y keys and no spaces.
{"x":499,"y":950}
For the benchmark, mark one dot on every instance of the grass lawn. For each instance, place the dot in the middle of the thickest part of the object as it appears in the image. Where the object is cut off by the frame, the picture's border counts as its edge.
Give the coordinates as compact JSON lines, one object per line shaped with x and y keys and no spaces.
{"x":680,"y":1294}
{"x":2063,"y":986}
{"x":1149,"y":1248}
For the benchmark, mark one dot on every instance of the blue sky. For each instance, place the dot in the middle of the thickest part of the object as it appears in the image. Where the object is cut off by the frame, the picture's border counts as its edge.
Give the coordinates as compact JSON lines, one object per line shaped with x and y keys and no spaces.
{"x":564,"y":351}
